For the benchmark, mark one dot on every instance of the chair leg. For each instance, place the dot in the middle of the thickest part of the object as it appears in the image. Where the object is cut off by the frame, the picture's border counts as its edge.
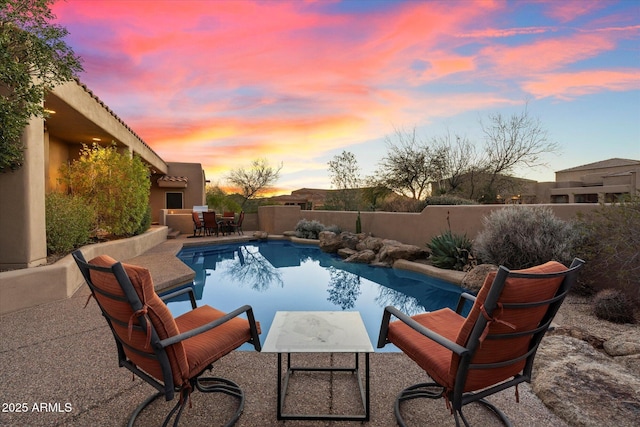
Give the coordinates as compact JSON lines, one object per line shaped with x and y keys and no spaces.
{"x":148,"y":401}
{"x":228,"y":387}
{"x":205,"y":385}
{"x":436,"y":391}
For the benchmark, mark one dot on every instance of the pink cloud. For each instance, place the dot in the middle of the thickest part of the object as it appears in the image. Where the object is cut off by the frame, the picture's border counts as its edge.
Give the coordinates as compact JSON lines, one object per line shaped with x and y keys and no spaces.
{"x":567,"y":11}
{"x":571,"y":85}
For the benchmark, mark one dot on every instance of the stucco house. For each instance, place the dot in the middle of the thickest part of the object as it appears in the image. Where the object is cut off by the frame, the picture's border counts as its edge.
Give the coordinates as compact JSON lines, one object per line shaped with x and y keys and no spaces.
{"x":77,"y":116}
{"x":600,"y":182}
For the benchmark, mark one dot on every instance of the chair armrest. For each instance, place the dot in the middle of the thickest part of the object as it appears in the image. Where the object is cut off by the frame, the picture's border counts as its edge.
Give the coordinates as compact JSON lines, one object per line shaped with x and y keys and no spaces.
{"x":464,"y":297}
{"x":434,"y":336}
{"x":215,"y":323}
{"x":188,"y":289}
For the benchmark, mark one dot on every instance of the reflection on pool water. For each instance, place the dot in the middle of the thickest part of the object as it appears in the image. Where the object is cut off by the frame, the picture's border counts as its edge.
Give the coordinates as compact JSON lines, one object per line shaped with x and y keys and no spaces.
{"x":283,"y":276}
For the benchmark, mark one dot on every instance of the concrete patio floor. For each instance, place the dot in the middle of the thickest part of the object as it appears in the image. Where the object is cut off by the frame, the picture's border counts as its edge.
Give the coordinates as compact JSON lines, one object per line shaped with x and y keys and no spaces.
{"x":62,"y":354}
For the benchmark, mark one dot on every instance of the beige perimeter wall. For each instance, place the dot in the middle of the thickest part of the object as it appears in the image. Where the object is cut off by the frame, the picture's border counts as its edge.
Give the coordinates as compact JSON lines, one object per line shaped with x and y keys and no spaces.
{"x":412,"y":228}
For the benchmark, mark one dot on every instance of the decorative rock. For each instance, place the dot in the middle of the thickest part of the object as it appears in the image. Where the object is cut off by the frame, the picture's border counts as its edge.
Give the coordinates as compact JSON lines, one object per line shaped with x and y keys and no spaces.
{"x":346,"y":252}
{"x":262,"y":235}
{"x":623,"y":344}
{"x":329,"y":241}
{"x":570,"y":375}
{"x":363,"y":257}
{"x":350,"y":240}
{"x":474,"y":279}
{"x":372,"y":243}
{"x":364,"y":248}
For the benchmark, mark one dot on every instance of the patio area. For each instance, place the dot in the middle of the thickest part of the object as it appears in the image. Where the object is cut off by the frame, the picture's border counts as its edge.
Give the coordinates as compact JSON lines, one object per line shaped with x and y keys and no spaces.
{"x":59,"y":365}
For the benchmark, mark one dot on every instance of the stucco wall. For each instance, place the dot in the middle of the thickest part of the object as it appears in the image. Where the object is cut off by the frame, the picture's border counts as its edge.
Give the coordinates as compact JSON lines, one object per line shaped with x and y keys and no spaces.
{"x":412,"y":228}
{"x":20,"y":289}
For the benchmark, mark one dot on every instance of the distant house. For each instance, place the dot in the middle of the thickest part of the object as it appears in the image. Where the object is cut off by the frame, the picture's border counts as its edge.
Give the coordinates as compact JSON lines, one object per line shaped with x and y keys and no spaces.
{"x":600,"y":182}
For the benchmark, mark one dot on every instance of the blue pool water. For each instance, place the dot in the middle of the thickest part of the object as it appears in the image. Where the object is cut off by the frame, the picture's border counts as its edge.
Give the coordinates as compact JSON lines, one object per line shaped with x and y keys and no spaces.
{"x":283,"y":276}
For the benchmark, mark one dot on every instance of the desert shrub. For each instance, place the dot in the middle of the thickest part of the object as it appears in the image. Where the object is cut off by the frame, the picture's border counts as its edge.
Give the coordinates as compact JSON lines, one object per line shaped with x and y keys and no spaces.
{"x":610,"y":245}
{"x":308,"y":229}
{"x":450,"y":251}
{"x":69,"y":222}
{"x":449,"y":200}
{"x":116,"y":184}
{"x":613,"y":305}
{"x":333,"y":228}
{"x":521,"y":237}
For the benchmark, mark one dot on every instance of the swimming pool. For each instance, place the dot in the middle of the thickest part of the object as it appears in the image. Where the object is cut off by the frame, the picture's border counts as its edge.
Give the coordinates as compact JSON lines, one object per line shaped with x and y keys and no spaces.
{"x":281,"y":275}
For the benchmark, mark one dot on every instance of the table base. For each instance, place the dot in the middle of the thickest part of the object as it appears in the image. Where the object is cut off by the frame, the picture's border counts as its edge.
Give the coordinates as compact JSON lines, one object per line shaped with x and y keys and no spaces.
{"x":364,"y":390}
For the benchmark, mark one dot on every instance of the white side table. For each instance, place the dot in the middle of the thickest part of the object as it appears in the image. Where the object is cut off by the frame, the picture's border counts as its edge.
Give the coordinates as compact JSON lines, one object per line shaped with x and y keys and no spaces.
{"x":319,"y":332}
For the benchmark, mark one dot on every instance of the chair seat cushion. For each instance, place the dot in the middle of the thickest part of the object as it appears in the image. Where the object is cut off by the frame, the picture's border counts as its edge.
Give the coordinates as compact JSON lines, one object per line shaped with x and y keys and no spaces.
{"x":429,"y":355}
{"x":205,"y":348}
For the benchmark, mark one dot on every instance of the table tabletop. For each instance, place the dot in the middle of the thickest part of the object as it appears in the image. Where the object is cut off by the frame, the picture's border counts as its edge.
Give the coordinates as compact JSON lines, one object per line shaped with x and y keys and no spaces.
{"x":317,"y":332}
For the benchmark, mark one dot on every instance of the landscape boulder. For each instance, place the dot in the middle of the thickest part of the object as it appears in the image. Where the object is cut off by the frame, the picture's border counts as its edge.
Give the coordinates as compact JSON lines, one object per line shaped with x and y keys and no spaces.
{"x":570,"y":375}
{"x":363,"y":248}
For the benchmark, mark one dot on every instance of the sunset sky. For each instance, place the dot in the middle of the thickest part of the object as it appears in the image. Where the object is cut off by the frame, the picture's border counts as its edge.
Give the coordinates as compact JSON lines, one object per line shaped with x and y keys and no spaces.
{"x":222,"y":83}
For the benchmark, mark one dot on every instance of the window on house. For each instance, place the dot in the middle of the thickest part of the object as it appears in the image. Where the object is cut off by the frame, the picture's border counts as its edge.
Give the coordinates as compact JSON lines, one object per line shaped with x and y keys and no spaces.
{"x":586,"y":198}
{"x":560,"y":198}
{"x":173,"y":200}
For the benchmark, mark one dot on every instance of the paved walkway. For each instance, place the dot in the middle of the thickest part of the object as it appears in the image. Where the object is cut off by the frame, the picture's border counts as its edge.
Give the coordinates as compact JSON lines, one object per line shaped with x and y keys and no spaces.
{"x":58,"y":367}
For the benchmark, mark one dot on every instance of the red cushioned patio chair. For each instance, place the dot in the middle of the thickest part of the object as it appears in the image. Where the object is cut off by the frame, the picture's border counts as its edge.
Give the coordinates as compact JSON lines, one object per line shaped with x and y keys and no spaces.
{"x":491,"y":349}
{"x":198,"y":226}
{"x":210,"y":223}
{"x":237,"y":225}
{"x":169,"y":353}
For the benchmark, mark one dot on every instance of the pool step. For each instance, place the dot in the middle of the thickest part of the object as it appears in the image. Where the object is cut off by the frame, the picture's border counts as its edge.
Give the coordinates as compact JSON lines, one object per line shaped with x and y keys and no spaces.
{"x":172,"y":234}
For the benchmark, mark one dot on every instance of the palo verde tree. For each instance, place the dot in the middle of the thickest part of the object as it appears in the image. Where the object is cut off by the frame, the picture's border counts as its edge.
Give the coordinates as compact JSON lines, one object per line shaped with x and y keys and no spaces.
{"x":254,"y":180}
{"x":33,"y":59}
{"x":115,"y":184}
{"x":345,"y":178}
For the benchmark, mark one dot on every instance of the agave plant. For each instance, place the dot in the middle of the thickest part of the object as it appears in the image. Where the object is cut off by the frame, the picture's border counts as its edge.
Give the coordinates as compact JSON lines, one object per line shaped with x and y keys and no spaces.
{"x":451,"y":251}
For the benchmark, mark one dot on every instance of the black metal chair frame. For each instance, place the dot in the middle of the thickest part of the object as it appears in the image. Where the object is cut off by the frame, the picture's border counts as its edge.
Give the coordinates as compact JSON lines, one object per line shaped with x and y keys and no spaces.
{"x":167,"y":388}
{"x":457,"y":398}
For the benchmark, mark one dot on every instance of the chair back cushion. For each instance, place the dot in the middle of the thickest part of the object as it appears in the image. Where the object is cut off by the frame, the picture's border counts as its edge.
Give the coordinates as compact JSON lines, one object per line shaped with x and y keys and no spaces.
{"x":515,"y":290}
{"x":196,"y":219}
{"x":209,"y":220}
{"x":122,"y":313}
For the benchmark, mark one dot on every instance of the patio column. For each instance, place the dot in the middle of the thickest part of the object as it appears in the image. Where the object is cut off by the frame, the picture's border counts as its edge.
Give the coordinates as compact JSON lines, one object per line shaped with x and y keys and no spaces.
{"x":23,"y":241}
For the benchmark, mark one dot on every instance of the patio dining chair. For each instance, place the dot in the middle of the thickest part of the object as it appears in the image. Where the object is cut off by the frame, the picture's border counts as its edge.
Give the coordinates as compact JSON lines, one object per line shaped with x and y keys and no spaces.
{"x":198,"y":226}
{"x":491,"y":349}
{"x":210,"y":223}
{"x":171,"y":354}
{"x":237,"y":225}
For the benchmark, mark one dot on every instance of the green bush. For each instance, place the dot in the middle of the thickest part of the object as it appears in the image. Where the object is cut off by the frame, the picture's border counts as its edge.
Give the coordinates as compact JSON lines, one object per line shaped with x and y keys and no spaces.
{"x":521,"y":237}
{"x":613,"y":305}
{"x":145,"y":223}
{"x":116,"y":184}
{"x":610,"y":244}
{"x":451,"y":251}
{"x":69,"y":222}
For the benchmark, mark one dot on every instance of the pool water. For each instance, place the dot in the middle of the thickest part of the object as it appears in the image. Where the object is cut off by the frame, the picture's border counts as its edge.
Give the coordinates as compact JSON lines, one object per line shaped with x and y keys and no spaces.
{"x":282,"y":276}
